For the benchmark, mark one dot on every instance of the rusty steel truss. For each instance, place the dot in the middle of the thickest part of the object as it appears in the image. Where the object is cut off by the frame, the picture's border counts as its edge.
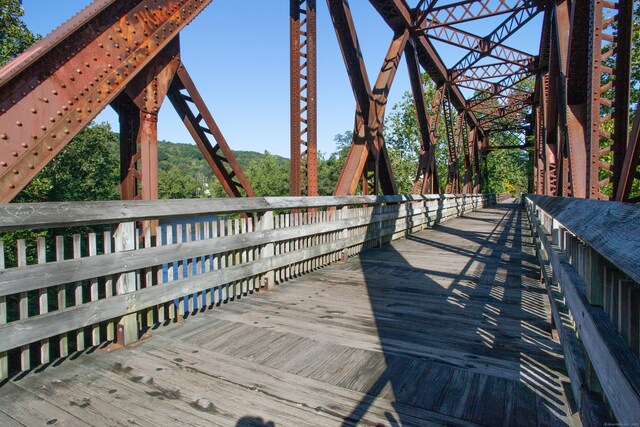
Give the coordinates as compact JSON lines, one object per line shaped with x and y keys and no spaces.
{"x":567,"y":104}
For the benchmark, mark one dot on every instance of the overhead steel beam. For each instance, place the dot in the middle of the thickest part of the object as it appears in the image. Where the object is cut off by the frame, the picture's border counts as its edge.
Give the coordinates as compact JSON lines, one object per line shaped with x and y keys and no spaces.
{"x":465,"y":11}
{"x":67,"y":78}
{"x":476,"y":44}
{"x":496,"y":38}
{"x":399,"y":17}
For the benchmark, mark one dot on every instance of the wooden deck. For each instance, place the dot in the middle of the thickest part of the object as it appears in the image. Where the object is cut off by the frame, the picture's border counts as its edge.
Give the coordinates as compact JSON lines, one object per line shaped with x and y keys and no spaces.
{"x":448,"y":326}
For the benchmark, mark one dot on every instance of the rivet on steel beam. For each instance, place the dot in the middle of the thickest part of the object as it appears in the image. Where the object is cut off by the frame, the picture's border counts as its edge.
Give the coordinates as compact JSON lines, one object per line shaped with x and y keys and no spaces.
{"x":19,"y":123}
{"x":14,"y":154}
{"x":24,"y":145}
{"x":59,"y":112}
{"x":12,"y":186}
{"x":4,"y":136}
{"x":34,"y":136}
{"x":100,"y":45}
{"x":66,"y":131}
{"x":52,"y":119}
{"x":79,"y":71}
{"x":3,"y":164}
{"x":43,"y":127}
{"x":49,"y":148}
{"x":16,"y":172}
{"x":34,"y":111}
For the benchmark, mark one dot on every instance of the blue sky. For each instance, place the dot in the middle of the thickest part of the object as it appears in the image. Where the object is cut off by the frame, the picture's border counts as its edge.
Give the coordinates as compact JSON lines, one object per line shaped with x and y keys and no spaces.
{"x":238,"y":56}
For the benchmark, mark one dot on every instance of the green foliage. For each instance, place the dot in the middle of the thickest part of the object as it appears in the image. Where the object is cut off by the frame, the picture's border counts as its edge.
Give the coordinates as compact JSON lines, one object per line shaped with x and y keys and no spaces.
{"x":175,"y":184}
{"x":508,"y":171}
{"x":269,"y":175}
{"x":15,"y":37}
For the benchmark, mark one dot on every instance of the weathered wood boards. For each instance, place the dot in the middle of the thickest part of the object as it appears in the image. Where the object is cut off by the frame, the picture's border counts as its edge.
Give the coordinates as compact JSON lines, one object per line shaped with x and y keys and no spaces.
{"x":446,"y":327}
{"x":604,"y":227}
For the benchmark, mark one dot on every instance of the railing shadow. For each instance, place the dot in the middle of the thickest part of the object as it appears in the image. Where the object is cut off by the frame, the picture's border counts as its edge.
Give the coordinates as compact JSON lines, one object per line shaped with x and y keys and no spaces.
{"x":433,"y":365}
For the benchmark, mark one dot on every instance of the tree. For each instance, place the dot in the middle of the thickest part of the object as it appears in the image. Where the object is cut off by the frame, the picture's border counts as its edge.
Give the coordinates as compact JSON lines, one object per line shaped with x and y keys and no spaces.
{"x":175,"y":184}
{"x":15,"y":37}
{"x":269,"y":176}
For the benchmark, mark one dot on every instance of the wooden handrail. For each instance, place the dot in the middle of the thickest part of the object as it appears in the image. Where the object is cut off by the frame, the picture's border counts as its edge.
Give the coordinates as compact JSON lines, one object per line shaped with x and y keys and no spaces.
{"x":14,"y":216}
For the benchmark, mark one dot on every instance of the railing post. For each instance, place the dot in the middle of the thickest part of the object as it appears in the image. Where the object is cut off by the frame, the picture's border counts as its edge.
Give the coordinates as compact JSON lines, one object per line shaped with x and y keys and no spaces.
{"x":125,"y":240}
{"x":344,"y":233}
{"x":594,"y":277}
{"x":555,"y":232}
{"x":268,"y":250}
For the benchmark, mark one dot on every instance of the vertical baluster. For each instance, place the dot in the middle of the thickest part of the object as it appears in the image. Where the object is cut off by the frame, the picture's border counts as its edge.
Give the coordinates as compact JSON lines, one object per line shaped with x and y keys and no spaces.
{"x":4,"y":360}
{"x":243,"y":256}
{"x":251,"y":253}
{"x":93,"y":289}
{"x":148,"y":274}
{"x":189,"y":267}
{"x":287,"y":223}
{"x":108,"y":284}
{"x":170,"y":272}
{"x":199,"y":297}
{"x":23,"y":307}
{"x":224,"y":287}
{"x":161,"y":314}
{"x":236,"y":259}
{"x":207,"y":296}
{"x":624,"y":309}
{"x":77,"y":253}
{"x":43,"y":299}
{"x":231,"y":287}
{"x":217,"y":290}
{"x":634,"y":319}
{"x":62,"y":297}
{"x":181,"y":267}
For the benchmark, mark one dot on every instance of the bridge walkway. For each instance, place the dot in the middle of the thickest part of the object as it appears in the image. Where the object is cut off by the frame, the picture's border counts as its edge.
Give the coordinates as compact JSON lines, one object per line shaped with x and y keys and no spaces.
{"x":448,"y":326}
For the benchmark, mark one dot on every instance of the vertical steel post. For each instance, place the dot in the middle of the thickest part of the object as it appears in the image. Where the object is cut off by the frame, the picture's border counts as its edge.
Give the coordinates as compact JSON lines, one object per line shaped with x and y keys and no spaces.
{"x":304,"y":156}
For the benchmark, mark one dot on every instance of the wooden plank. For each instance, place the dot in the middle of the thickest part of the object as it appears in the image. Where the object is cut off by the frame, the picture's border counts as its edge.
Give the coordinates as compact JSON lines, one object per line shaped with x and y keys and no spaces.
{"x":25,"y":408}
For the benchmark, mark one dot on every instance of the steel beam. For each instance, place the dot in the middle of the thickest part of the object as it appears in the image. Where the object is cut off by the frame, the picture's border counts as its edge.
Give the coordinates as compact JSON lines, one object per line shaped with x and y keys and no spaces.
{"x":629,"y":171}
{"x":199,"y":122}
{"x":426,"y":180}
{"x":304,"y":152}
{"x":368,"y":142}
{"x":465,"y":11}
{"x":67,"y":78}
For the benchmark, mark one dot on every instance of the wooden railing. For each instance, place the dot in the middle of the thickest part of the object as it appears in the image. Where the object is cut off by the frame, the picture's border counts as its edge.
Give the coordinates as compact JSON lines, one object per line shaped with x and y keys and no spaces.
{"x":77,"y":275}
{"x":590,"y":254}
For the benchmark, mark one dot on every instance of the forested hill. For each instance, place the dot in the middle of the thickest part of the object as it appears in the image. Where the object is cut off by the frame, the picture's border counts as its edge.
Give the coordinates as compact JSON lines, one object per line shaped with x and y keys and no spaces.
{"x":189,"y":158}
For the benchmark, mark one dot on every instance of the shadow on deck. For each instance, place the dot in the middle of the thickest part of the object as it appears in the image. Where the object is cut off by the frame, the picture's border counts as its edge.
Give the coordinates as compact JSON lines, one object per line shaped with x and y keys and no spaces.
{"x":448,"y":326}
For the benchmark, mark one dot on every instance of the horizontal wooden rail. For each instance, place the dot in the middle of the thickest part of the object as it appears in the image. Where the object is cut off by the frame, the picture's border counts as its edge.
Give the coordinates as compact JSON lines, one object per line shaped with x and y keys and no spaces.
{"x":114,"y":285}
{"x":590,"y":254}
